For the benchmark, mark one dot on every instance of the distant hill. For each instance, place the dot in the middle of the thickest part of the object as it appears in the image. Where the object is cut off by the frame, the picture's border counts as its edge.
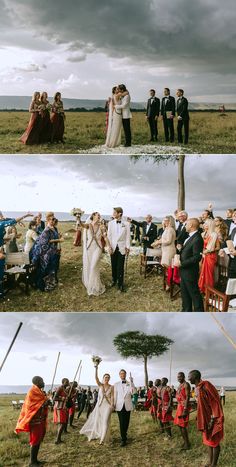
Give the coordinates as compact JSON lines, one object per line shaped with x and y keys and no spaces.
{"x":22,"y":103}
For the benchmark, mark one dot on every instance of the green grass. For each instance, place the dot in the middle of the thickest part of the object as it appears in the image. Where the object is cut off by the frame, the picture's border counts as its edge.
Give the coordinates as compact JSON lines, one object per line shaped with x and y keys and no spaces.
{"x":141,"y":295}
{"x":209,"y":133}
{"x":146,"y":448}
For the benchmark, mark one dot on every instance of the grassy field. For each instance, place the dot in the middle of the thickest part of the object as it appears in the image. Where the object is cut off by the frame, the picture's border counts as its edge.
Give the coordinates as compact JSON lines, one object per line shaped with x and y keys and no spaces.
{"x":147,"y":447}
{"x":141,"y":295}
{"x":209,"y":133}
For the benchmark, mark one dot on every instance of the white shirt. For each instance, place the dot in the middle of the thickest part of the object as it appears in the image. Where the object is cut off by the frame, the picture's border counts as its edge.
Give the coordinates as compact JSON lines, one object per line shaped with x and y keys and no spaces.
{"x":190,"y":235}
{"x":148,"y":227}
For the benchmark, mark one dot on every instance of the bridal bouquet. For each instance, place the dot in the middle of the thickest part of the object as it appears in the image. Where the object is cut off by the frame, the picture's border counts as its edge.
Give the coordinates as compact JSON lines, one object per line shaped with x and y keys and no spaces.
{"x":76,"y":212}
{"x":96,"y":360}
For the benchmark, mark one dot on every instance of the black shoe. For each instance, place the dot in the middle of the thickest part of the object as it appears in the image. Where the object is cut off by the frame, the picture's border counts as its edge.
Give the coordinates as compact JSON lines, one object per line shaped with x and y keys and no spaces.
{"x":121,"y":289}
{"x":127,"y":145}
{"x":123,"y":443}
{"x":152,"y":139}
{"x":113,"y":284}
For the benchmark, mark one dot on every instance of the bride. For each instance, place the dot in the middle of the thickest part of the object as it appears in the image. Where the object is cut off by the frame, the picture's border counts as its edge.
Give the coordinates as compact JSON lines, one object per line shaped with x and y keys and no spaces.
{"x":113,"y":138}
{"x":94,"y":232}
{"x":98,"y":424}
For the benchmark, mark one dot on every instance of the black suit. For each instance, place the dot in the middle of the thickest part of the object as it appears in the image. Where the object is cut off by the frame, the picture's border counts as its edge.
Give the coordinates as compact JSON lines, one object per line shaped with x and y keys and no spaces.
{"x":228,"y":222}
{"x":168,"y":105}
{"x":181,"y":234}
{"x":190,"y":257}
{"x":232,"y":261}
{"x":182,"y":111}
{"x":153,"y":111}
{"x":151,"y":234}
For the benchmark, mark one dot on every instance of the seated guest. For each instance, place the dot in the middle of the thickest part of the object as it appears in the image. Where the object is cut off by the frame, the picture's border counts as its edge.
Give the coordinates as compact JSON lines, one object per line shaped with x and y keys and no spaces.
{"x":30,"y":237}
{"x":149,"y":231}
{"x":209,"y":255}
{"x":10,"y":240}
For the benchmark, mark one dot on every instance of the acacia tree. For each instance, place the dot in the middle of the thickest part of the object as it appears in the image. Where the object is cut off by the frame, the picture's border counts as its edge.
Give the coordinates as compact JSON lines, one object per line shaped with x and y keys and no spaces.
{"x":136,"y":344}
{"x":180,"y":159}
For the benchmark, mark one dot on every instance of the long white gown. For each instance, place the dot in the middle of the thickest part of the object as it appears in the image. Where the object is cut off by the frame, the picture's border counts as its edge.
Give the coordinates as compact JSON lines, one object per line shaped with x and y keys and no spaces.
{"x":98,"y":424}
{"x":113,"y":138}
{"x":92,"y":252}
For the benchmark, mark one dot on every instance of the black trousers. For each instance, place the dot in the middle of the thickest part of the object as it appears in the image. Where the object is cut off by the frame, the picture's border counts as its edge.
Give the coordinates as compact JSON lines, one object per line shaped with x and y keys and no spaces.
{"x":183,"y":124}
{"x":124,"y":418}
{"x":118,"y":267}
{"x":190,"y":293}
{"x":169,"y":129}
{"x":232,"y":268}
{"x":127,"y":131}
{"x":153,"y":127}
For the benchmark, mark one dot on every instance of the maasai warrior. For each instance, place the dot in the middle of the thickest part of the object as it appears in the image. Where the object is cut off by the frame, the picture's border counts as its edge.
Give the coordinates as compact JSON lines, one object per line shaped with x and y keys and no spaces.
{"x":151,"y":402}
{"x":210,"y":416}
{"x":183,"y":408}
{"x":159,"y":403}
{"x":33,"y":418}
{"x":60,"y":409}
{"x":73,"y":398}
{"x":166,"y":403}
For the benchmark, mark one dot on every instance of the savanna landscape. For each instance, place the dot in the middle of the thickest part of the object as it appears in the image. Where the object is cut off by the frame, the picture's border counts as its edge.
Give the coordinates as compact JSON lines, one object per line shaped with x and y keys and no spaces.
{"x":70,"y":295}
{"x":147,"y":447}
{"x":210,"y":132}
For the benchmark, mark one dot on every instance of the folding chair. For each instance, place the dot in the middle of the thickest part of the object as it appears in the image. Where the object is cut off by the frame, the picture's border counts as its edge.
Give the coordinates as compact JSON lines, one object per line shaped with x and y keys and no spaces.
{"x":150,"y":263}
{"x":215,"y":300}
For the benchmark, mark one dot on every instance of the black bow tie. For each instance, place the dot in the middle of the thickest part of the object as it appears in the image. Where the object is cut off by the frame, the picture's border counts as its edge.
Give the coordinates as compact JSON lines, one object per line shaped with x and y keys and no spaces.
{"x":123,"y":382}
{"x":118,"y":222}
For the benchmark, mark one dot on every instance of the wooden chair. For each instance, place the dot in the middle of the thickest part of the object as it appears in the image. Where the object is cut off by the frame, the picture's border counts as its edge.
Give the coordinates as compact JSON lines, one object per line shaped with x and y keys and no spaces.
{"x":222,"y":277}
{"x":15,"y":405}
{"x":215,"y":300}
{"x":18,"y":270}
{"x":150,"y":263}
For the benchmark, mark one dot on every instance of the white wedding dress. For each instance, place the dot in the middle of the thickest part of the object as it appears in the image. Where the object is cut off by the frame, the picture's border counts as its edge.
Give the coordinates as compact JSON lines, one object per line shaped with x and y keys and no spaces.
{"x":98,"y":424}
{"x":92,"y":252}
{"x":113,"y":138}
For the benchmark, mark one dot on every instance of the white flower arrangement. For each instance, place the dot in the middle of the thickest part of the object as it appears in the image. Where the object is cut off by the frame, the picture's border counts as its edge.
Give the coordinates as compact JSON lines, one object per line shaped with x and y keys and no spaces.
{"x":96,"y":360}
{"x":76,"y":212}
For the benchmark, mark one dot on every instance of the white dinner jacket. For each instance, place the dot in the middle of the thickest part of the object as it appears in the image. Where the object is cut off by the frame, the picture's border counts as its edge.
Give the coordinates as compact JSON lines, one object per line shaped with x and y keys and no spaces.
{"x":123,"y":395}
{"x":125,"y":107}
{"x":121,"y":239}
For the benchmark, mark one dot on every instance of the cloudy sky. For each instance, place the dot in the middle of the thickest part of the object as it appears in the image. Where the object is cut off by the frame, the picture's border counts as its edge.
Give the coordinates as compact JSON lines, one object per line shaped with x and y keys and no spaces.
{"x":85,"y":47}
{"x":60,"y":183}
{"x":198,"y":344}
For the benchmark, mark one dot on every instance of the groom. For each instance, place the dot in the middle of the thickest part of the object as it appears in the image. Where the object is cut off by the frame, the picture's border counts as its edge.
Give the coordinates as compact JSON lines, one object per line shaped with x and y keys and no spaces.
{"x":126,"y":114}
{"x":123,"y":391}
{"x":119,"y":245}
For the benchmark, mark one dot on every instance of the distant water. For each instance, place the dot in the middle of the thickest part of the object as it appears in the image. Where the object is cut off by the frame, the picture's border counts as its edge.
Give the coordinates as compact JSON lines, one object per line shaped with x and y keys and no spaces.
{"x":24,"y":389}
{"x":66,"y":217}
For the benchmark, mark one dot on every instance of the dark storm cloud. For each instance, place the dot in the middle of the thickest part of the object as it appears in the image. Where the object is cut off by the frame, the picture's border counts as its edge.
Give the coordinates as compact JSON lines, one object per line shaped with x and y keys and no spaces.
{"x":198,"y":342}
{"x":182,"y":33}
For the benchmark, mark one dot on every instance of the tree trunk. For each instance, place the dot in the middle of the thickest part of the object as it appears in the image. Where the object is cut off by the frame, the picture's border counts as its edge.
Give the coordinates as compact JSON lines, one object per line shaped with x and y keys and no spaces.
{"x":181,"y":182}
{"x":145,"y":372}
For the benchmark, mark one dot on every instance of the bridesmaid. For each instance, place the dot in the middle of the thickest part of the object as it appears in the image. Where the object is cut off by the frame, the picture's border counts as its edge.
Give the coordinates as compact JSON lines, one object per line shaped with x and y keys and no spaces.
{"x":46,"y":126}
{"x":210,"y":248}
{"x":32,"y":132}
{"x":58,"y":119}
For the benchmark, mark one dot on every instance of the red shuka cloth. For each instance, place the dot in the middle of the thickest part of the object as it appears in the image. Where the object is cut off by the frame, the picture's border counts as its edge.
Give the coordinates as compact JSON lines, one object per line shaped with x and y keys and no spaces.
{"x":209,"y":405}
{"x":181,"y":399}
{"x":32,"y":404}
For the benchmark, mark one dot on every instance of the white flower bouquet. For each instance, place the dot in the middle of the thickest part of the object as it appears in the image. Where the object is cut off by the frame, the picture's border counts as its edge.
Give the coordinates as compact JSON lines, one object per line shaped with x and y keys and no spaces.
{"x":96,"y":360}
{"x":76,"y":212}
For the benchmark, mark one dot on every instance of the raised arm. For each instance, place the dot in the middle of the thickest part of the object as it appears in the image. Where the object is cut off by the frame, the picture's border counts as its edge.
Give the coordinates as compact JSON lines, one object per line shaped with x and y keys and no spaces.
{"x":96,"y":377}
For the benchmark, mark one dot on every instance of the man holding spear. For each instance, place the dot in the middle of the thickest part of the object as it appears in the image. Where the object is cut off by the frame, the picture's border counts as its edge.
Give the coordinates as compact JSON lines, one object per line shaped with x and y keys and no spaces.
{"x":60,"y":416}
{"x":33,"y":418}
{"x":183,"y":408}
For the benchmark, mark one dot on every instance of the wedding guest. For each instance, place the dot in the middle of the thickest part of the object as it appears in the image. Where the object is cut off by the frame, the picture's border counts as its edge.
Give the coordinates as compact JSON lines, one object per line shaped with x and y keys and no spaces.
{"x":166,"y":405}
{"x":232,"y":251}
{"x":210,"y":417}
{"x":183,"y":408}
{"x":222,"y":395}
{"x":42,"y":223}
{"x":183,"y":116}
{"x":152,"y":114}
{"x":209,"y":255}
{"x":33,"y":418}
{"x":229,"y":221}
{"x":207,"y":214}
{"x":149,"y":231}
{"x":168,"y":114}
{"x":32,"y":132}
{"x":30,"y":237}
{"x":221,"y":230}
{"x":60,"y":416}
{"x":190,"y":256}
{"x":39,"y":225}
{"x":46,"y":126}
{"x":58,"y":119}
{"x":78,"y":234}
{"x":10,"y":239}
{"x":57,"y":245}
{"x":83,"y":400}
{"x":167,"y":241}
{"x":181,"y":233}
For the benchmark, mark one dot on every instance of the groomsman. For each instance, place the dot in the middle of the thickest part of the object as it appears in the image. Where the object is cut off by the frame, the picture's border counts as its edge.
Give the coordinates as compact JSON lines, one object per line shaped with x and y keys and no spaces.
{"x":168,"y":114}
{"x":149,"y":229}
{"x":152,"y":114}
{"x":183,"y":116}
{"x":119,"y":239}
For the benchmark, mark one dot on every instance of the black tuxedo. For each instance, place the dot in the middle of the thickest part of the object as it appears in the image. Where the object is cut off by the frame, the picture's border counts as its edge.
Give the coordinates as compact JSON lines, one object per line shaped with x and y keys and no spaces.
{"x":168,"y":105}
{"x":181,"y":234}
{"x":232,"y":261}
{"x":153,"y":111}
{"x":182,"y":111}
{"x":151,"y":234}
{"x":228,"y":222}
{"x":190,"y":257}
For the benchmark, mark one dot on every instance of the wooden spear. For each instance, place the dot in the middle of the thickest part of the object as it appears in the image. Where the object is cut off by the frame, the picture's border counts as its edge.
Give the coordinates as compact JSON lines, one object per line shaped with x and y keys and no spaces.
{"x":11,"y":345}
